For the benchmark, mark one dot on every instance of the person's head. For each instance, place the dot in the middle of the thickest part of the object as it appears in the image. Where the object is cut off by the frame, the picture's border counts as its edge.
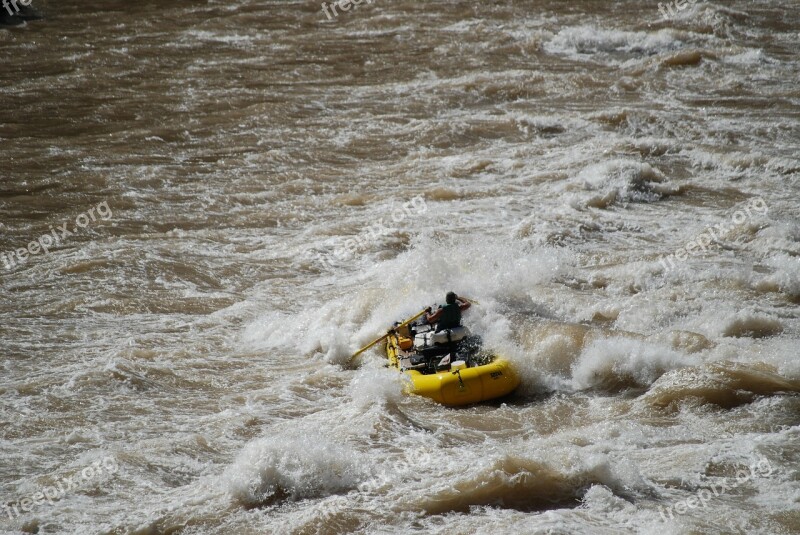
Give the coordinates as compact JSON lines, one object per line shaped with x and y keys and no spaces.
{"x":451,"y":298}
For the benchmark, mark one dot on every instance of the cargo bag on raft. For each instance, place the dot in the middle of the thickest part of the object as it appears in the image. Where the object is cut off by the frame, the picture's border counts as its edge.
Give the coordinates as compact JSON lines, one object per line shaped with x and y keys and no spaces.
{"x":430,"y":338}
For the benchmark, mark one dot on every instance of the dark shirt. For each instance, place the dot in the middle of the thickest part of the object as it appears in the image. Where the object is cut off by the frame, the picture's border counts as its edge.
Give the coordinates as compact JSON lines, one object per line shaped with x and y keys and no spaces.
{"x":450,"y":317}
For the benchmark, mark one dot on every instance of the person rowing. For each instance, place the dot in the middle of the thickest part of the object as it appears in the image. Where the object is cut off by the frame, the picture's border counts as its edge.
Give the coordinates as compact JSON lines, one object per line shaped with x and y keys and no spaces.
{"x":449,"y":315}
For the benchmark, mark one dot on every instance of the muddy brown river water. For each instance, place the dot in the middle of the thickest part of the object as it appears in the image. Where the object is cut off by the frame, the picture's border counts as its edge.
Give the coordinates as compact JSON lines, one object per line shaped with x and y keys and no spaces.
{"x":206,"y":207}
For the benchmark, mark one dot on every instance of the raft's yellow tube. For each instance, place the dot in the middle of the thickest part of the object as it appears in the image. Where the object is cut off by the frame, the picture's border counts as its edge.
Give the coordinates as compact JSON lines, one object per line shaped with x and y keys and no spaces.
{"x":470,"y":385}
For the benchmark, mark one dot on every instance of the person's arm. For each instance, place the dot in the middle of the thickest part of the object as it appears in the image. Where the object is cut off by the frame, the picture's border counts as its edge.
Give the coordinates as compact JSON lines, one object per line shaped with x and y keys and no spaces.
{"x":463,"y":305}
{"x":433,"y":317}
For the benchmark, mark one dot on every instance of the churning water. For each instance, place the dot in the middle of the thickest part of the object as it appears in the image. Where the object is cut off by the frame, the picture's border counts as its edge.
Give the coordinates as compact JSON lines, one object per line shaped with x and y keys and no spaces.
{"x":207,"y":206}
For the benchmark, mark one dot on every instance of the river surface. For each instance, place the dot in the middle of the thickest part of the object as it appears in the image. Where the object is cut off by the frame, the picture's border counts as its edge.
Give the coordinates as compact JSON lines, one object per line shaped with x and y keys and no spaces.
{"x":206,"y":207}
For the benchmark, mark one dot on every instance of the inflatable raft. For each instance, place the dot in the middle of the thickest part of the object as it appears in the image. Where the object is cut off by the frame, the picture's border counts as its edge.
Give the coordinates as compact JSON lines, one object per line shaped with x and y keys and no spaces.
{"x":449,"y":367}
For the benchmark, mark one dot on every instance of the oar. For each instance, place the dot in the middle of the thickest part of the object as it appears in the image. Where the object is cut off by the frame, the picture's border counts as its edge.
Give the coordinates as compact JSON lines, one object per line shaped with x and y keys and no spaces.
{"x":369,"y":345}
{"x":468,"y":300}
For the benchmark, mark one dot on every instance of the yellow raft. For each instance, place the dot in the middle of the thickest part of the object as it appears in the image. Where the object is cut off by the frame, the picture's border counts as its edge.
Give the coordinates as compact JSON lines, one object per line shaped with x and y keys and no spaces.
{"x":461,"y":384}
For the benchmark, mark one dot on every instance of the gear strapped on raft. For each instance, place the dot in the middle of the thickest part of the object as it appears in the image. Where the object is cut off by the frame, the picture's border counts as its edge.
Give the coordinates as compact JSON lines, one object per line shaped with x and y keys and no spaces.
{"x":444,"y":360}
{"x":438,"y":339}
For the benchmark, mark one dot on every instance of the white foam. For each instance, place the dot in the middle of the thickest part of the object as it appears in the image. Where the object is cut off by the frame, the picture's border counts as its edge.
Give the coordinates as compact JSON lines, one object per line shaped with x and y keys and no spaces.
{"x":785,"y":277}
{"x":582,"y":41}
{"x":617,"y":358}
{"x":293,"y":465}
{"x":374,"y":383}
{"x":620,"y":181}
{"x":748,"y":57}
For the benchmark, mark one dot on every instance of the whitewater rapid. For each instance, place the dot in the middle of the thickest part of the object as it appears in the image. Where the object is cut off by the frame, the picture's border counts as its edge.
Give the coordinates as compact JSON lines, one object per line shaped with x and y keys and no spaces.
{"x":616,"y":188}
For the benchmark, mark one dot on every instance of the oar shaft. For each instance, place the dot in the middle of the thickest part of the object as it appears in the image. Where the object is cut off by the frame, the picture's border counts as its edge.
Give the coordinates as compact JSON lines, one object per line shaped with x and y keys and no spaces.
{"x":357,"y":353}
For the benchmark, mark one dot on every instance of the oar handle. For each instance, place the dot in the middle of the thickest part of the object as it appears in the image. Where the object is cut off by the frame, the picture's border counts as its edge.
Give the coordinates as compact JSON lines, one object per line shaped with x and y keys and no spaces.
{"x":357,"y":353}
